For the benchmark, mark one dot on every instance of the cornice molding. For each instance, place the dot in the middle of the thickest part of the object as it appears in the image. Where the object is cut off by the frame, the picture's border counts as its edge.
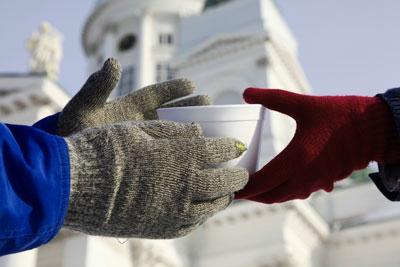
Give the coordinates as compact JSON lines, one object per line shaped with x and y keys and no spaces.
{"x":367,"y":237}
{"x":218,"y":48}
{"x":289,"y":62}
{"x":14,"y":105}
{"x":313,"y":222}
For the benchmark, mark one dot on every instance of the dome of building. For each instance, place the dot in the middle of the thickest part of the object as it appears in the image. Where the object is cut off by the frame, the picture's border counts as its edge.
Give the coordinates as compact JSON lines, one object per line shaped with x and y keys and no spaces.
{"x":108,"y":13}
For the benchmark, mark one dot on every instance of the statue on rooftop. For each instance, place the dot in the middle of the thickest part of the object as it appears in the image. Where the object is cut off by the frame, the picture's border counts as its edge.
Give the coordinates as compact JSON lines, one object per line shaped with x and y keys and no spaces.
{"x":45,"y":47}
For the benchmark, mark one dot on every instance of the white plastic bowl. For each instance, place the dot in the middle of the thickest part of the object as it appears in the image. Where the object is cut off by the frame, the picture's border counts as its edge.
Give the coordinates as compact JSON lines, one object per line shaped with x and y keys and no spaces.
{"x":243,"y":122}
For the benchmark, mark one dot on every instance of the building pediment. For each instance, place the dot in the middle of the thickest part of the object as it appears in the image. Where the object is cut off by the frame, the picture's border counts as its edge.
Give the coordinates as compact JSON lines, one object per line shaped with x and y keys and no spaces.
{"x":26,"y":92}
{"x":219,"y":46}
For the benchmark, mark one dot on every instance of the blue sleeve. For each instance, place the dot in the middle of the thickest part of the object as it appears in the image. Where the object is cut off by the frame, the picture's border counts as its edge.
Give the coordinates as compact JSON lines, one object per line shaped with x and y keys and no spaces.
{"x":387,"y":180}
{"x":34,"y":187}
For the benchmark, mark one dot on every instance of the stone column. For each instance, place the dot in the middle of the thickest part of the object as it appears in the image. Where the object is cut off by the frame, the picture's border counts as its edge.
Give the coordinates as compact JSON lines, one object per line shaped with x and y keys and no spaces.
{"x":145,"y":62}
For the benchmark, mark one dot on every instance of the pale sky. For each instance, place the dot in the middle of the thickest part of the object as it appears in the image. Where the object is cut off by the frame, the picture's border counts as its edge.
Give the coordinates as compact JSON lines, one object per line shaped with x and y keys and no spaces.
{"x":345,"y":47}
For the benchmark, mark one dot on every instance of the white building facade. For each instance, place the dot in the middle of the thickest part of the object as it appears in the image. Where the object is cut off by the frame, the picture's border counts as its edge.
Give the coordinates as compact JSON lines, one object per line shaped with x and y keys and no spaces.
{"x":226,"y":48}
{"x":26,"y":98}
{"x":142,"y":35}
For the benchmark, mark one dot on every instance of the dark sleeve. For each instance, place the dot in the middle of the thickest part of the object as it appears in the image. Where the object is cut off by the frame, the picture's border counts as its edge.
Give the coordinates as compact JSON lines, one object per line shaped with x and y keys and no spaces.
{"x":388,"y":178}
{"x":48,"y":124}
{"x":34,"y":187}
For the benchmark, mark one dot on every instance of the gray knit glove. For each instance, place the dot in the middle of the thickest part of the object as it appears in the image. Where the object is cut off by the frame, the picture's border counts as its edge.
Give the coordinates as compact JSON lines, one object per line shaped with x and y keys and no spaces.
{"x":88,"y":108}
{"x":149,"y":179}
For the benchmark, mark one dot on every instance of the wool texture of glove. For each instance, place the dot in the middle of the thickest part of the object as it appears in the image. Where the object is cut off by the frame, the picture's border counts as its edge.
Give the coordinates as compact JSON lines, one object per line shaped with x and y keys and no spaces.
{"x":89,"y":107}
{"x":149,"y":179}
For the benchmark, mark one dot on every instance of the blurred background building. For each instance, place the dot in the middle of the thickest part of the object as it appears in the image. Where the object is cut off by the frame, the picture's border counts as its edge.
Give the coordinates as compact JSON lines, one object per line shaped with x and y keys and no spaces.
{"x":224,"y":46}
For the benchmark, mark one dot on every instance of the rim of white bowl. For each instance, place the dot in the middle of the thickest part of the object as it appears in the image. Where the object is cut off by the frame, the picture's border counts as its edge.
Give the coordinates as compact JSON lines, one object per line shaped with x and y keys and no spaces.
{"x":217,"y":106}
{"x":243,"y":112}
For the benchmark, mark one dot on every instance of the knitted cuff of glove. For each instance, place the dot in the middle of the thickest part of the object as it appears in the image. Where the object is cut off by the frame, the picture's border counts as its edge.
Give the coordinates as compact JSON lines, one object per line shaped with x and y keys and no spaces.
{"x":81,"y":209}
{"x":378,"y":130}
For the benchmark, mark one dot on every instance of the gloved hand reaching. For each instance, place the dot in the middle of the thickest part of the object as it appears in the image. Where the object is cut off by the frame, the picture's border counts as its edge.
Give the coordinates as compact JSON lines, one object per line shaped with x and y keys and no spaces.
{"x":134,"y":178}
{"x":149,"y":179}
{"x":335,"y":135}
{"x":88,"y":108}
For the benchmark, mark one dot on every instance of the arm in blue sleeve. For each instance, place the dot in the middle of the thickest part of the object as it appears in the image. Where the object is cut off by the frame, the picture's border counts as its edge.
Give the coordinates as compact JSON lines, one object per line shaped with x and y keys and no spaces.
{"x":34,"y":187}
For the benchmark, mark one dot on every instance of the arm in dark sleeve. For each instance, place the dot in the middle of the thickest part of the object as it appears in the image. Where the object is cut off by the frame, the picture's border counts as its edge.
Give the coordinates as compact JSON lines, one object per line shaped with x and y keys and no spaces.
{"x":388,"y":178}
{"x":48,"y":124}
{"x":34,"y":187}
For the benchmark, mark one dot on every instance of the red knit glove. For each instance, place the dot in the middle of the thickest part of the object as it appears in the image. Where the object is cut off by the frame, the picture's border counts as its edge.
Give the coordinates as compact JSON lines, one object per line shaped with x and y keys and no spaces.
{"x":335,"y":135}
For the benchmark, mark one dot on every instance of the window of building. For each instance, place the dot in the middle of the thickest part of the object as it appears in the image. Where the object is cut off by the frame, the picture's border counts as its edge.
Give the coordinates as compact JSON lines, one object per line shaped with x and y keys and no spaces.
{"x":127,"y":42}
{"x":166,"y":39}
{"x":127,"y":81}
{"x":164,"y":72}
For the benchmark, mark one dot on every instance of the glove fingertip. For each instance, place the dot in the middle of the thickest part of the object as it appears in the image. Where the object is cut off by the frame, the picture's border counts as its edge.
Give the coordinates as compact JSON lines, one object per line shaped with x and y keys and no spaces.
{"x":244,"y":178}
{"x":185,"y":86}
{"x":112,"y":67}
{"x":236,"y":146}
{"x":249,"y":95}
{"x":240,"y":178}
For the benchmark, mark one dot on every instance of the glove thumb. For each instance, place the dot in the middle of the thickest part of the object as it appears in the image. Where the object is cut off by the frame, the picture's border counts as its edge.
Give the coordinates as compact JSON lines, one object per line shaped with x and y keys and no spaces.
{"x":96,"y":89}
{"x":282,"y":101}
